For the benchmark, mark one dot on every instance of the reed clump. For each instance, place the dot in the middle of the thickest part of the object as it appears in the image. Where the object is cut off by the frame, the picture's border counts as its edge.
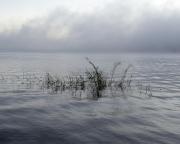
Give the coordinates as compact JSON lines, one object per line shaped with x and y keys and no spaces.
{"x":94,"y":80}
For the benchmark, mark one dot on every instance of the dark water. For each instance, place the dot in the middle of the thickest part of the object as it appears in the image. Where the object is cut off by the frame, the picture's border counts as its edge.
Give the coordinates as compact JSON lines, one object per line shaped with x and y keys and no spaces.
{"x":29,"y":115}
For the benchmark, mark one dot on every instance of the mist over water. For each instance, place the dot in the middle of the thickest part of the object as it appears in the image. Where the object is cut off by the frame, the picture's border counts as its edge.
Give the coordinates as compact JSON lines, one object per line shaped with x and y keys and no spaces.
{"x":30,"y":115}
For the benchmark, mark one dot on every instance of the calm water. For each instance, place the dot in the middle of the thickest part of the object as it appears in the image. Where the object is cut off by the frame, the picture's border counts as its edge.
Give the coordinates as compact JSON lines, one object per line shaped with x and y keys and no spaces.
{"x":29,"y":115}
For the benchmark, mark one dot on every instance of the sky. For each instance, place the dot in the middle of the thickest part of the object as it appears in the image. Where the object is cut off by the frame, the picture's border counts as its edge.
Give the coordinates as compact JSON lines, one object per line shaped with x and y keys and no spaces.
{"x":90,"y":26}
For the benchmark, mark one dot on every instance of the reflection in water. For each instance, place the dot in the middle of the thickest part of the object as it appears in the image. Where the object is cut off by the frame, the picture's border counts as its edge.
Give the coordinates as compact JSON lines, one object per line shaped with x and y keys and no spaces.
{"x":29,"y":115}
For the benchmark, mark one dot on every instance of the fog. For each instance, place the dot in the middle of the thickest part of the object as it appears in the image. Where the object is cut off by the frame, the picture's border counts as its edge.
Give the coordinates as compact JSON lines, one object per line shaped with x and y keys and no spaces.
{"x":117,"y":27}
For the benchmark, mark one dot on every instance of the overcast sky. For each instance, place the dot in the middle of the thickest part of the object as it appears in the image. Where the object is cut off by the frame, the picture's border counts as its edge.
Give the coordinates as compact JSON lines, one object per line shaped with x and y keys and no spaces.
{"x":90,"y":25}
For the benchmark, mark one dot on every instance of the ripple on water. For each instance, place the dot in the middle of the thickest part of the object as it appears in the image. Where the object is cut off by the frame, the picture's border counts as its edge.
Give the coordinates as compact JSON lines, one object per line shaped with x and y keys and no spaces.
{"x":31,"y":116}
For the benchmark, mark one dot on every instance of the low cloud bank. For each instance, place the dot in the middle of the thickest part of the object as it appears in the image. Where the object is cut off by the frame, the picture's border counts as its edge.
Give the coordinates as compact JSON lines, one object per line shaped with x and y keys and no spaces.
{"x":118,"y":27}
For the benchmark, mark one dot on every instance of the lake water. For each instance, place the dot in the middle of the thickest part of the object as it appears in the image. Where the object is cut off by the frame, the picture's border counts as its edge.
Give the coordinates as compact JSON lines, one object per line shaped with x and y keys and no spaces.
{"x":29,"y":115}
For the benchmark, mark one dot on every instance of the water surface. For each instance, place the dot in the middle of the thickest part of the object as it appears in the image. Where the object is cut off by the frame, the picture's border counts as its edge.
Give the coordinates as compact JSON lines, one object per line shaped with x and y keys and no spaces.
{"x":29,"y":115}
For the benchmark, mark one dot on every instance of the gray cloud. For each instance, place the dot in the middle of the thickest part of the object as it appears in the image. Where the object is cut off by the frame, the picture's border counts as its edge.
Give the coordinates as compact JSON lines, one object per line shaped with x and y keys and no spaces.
{"x":116,"y":28}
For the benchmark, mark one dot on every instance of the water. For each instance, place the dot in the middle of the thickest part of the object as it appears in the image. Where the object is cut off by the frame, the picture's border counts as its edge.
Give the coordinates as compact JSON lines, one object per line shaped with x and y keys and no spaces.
{"x":29,"y":115}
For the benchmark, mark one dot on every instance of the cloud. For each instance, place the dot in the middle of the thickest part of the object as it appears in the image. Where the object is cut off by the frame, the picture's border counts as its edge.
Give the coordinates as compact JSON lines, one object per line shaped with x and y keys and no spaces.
{"x":118,"y":27}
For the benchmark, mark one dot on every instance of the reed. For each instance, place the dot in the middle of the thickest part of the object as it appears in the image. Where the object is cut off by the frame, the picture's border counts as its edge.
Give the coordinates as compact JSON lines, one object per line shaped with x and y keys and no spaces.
{"x":93,"y":81}
{"x":96,"y":80}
